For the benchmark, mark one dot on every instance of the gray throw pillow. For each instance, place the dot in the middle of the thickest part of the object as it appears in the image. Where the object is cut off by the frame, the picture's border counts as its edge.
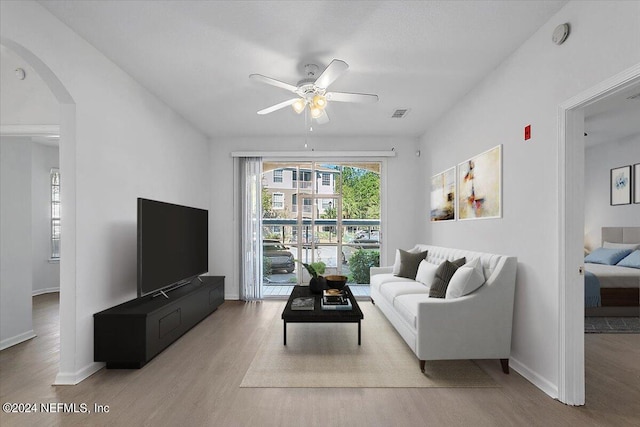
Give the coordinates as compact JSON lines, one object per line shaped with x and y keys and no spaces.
{"x":409,"y":263}
{"x":444,"y":273}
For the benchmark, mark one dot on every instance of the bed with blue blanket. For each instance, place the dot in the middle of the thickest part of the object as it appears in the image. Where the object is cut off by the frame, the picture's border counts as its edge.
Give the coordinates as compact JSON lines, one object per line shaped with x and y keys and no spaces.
{"x":612,"y":271}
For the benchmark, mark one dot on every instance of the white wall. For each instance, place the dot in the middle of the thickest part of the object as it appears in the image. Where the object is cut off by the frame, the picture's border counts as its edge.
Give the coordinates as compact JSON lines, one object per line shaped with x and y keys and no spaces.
{"x":46,"y":274}
{"x":15,"y":245}
{"x":599,"y":161}
{"x":122,"y":143}
{"x":527,"y":89}
{"x":28,"y":101}
{"x":402,"y":191}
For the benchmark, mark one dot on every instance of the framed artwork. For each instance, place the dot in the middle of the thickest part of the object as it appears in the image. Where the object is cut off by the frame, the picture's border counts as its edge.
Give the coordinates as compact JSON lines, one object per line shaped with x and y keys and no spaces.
{"x":621,"y":186}
{"x":636,"y":183}
{"x":480,"y":186}
{"x":443,"y":196}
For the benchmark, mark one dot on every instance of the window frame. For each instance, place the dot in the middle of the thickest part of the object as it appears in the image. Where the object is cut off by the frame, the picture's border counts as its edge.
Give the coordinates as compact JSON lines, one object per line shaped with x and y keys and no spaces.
{"x":54,"y":211}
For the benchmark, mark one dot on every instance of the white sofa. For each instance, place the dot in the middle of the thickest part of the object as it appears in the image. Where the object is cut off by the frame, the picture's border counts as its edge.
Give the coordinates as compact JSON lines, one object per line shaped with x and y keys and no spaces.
{"x":474,"y":326}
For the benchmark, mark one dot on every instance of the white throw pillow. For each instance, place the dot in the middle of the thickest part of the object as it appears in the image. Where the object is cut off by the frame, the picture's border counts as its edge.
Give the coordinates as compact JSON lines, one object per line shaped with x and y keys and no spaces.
{"x":426,"y":273}
{"x":396,"y":264}
{"x":466,"y":279}
{"x":610,"y":245}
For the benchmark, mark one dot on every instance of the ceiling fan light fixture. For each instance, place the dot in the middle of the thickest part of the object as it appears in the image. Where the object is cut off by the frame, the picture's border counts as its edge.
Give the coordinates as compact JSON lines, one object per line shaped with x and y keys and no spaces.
{"x":319,"y":101}
{"x":299,"y":105}
{"x":316,"y":112}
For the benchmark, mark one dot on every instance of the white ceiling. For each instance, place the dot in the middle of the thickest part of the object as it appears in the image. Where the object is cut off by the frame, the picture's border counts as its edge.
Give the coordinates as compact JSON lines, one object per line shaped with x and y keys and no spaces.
{"x":197,"y":55}
{"x":613,"y":119}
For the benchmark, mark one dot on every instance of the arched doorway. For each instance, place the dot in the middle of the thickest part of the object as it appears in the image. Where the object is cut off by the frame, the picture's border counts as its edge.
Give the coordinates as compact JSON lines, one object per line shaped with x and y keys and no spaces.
{"x":67,"y":149}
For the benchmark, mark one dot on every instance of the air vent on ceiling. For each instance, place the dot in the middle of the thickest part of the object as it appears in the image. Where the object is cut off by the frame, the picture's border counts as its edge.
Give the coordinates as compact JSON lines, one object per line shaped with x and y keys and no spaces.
{"x":400,"y":113}
{"x":636,"y":96}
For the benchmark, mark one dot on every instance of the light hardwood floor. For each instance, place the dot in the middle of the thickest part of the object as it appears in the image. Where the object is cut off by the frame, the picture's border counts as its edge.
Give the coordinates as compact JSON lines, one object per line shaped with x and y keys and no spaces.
{"x":196,"y":382}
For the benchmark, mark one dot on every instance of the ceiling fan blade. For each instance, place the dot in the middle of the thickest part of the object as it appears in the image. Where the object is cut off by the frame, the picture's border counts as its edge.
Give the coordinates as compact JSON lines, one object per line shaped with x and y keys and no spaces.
{"x":363,"y":98}
{"x":331,"y":73}
{"x":273,"y":82}
{"x":323,"y":118}
{"x":277,"y":106}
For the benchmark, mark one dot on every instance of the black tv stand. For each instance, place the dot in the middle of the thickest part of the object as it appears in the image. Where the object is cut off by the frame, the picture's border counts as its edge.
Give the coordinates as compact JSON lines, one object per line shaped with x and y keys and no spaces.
{"x":130,"y":334}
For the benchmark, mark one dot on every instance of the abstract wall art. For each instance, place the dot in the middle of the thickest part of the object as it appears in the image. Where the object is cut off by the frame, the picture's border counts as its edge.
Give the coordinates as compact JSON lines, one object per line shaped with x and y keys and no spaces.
{"x":480,"y":186}
{"x":621,"y":186}
{"x":443,"y":196}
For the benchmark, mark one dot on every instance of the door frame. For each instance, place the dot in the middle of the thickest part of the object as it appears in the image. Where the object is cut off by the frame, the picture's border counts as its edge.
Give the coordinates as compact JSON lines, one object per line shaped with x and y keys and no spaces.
{"x":571,"y":371}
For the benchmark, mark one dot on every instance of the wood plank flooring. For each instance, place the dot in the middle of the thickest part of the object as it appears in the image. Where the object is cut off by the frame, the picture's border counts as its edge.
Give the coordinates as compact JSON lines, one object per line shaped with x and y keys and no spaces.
{"x":196,"y":380}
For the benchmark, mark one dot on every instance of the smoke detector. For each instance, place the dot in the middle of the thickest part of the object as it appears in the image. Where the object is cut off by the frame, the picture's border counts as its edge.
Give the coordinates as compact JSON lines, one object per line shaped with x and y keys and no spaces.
{"x":560,"y":34}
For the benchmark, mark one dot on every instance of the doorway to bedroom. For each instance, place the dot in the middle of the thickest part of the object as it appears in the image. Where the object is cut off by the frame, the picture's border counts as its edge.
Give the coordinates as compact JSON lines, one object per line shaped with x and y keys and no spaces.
{"x":323,"y":214}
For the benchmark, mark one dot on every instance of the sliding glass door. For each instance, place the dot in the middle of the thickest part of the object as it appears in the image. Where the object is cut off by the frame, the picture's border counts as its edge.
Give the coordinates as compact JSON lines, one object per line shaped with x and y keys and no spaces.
{"x":324,"y":214}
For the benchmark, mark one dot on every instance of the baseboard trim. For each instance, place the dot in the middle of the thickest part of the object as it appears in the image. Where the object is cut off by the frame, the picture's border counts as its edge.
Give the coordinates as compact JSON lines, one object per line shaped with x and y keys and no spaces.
{"x":11,"y":341}
{"x":45,"y":291}
{"x":64,"y":378}
{"x":534,"y":378}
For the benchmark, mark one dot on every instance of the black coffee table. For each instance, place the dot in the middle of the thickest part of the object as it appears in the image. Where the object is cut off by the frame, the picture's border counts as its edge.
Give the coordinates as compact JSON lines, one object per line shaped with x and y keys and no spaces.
{"x":318,"y":315}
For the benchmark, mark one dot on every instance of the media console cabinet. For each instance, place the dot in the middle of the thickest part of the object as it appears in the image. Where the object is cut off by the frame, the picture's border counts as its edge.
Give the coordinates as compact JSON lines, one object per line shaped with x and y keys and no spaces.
{"x":131,"y":334}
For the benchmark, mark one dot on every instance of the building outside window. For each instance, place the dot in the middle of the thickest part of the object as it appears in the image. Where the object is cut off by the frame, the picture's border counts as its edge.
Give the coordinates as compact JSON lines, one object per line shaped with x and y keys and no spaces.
{"x":277,"y":201}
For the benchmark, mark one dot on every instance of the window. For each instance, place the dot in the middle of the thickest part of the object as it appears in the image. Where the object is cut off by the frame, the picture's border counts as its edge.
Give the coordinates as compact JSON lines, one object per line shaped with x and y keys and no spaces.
{"x":305,"y":176}
{"x":277,"y":175}
{"x":326,"y":178}
{"x":55,"y":213}
{"x":277,"y":201}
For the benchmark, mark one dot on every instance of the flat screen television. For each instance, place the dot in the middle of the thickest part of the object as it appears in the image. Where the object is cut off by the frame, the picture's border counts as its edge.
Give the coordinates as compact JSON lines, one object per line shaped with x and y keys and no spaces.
{"x":172,"y":245}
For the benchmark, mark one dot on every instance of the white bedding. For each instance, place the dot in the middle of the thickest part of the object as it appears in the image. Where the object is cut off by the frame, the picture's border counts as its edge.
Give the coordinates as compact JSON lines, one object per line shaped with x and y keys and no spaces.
{"x":613,"y":276}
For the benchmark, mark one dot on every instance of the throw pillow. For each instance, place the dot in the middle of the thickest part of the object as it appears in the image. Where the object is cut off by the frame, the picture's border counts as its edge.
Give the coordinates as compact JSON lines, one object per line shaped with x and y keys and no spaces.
{"x":426,"y":273}
{"x":607,"y":256}
{"x":396,"y":264}
{"x":632,"y":260}
{"x":466,"y":279}
{"x":610,"y":245}
{"x":409,"y":263}
{"x":445,"y":272}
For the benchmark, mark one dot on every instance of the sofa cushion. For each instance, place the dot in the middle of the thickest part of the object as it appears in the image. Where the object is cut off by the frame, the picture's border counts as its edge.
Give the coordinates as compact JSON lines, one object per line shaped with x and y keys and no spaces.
{"x":396,"y":264}
{"x":466,"y":279}
{"x":391,"y":290}
{"x":407,"y":307}
{"x":426,"y":273}
{"x":378,"y":279}
{"x":445,"y":272}
{"x":409,"y":263}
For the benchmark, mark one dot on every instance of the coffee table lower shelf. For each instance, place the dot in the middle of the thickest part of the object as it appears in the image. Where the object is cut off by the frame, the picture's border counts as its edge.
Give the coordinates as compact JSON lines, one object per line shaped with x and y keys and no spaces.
{"x":318,"y":315}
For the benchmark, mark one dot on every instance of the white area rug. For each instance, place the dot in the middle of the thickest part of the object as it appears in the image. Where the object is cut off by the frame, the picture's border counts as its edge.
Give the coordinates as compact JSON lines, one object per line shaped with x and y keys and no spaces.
{"x":328,"y":355}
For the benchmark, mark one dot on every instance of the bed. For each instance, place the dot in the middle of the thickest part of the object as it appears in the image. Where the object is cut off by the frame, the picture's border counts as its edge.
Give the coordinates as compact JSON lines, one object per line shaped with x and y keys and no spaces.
{"x":618,"y":286}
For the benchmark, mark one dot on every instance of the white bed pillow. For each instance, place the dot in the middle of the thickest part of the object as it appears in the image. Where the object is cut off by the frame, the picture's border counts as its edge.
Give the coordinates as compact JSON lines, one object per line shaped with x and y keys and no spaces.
{"x":611,"y":245}
{"x":466,"y":279}
{"x":426,"y":273}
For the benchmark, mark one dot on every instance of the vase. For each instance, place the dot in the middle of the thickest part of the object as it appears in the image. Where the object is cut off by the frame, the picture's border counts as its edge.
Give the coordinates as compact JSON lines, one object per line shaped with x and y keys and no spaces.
{"x":317,"y":284}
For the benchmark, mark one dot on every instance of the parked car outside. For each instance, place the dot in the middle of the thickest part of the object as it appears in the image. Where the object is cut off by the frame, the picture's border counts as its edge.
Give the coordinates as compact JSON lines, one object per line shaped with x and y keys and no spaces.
{"x":278,"y":254}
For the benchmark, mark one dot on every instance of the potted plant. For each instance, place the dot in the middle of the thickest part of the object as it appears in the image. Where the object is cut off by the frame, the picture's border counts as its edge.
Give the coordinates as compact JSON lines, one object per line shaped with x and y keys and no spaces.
{"x":317,"y":283}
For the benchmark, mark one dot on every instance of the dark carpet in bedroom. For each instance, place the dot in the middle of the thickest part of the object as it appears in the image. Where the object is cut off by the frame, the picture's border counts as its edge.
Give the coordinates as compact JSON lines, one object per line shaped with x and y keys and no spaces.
{"x":612,"y":325}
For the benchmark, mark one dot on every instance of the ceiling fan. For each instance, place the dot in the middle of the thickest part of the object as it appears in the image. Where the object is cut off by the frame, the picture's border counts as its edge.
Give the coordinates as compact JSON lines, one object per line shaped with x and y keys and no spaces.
{"x":312,"y":92}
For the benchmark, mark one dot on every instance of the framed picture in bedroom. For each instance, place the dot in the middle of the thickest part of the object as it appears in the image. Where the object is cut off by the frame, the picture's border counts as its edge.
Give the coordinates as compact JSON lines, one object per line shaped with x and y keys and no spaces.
{"x":636,"y":183}
{"x":480,"y":186}
{"x":621,"y":186}
{"x":443,"y":196}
